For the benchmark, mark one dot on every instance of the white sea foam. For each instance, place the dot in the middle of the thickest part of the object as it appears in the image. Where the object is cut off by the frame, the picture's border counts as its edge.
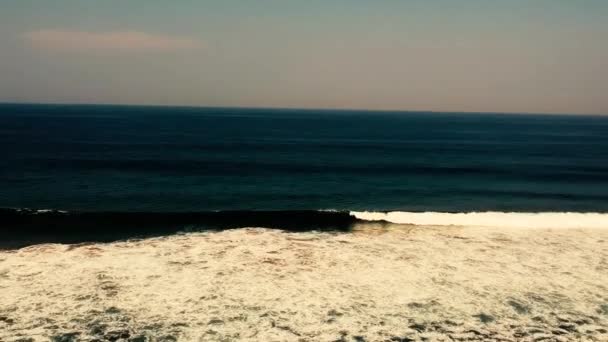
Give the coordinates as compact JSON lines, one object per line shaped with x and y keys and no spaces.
{"x":452,"y":283}
{"x":567,"y":220}
{"x":46,"y":211}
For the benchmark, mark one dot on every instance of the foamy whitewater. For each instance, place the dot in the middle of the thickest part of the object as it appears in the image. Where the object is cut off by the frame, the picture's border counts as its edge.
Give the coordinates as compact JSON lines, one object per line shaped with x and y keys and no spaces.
{"x":379,"y":282}
{"x":490,"y":219}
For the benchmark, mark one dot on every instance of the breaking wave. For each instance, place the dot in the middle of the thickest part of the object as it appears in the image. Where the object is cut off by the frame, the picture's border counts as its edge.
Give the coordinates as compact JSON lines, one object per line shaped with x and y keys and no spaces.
{"x":21,"y":227}
{"x":490,"y":219}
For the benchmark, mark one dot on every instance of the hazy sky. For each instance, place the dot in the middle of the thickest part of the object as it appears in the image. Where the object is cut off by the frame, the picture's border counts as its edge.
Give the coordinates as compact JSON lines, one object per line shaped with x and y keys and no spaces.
{"x":451,"y":55}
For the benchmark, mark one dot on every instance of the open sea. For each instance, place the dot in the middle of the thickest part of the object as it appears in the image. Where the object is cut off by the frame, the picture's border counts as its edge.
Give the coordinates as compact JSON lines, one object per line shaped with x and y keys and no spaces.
{"x":198,"y":166}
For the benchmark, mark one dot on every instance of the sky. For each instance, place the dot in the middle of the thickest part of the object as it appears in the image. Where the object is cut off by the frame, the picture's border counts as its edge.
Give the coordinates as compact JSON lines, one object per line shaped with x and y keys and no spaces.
{"x":541,"y":56}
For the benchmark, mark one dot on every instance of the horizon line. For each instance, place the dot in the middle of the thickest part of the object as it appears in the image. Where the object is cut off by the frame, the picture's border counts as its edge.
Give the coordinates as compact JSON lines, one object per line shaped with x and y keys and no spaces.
{"x":59,"y":103}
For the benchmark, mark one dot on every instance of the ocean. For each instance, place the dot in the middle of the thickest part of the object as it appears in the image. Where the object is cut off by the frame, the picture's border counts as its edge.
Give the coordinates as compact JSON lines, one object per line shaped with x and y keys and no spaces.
{"x":189,"y":165}
{"x":130,"y":223}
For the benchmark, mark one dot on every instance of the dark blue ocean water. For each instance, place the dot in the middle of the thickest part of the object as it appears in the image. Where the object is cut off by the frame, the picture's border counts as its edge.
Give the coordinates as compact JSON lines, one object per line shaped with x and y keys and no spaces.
{"x":127,"y":158}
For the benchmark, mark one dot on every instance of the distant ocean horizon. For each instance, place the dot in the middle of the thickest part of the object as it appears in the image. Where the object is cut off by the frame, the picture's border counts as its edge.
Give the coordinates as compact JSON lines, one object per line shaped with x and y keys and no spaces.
{"x":296,"y":108}
{"x":163,"y":159}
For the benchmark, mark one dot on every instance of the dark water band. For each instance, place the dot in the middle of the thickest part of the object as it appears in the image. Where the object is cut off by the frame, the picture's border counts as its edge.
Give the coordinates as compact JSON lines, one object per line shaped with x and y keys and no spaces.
{"x":20,"y":227}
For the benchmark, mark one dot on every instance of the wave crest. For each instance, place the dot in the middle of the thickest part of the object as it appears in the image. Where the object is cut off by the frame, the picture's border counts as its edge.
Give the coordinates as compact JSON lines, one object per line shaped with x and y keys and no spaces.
{"x":490,"y":219}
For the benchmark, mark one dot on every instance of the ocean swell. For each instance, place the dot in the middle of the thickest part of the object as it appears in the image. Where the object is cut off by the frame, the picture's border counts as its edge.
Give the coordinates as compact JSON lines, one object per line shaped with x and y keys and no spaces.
{"x":22,"y":227}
